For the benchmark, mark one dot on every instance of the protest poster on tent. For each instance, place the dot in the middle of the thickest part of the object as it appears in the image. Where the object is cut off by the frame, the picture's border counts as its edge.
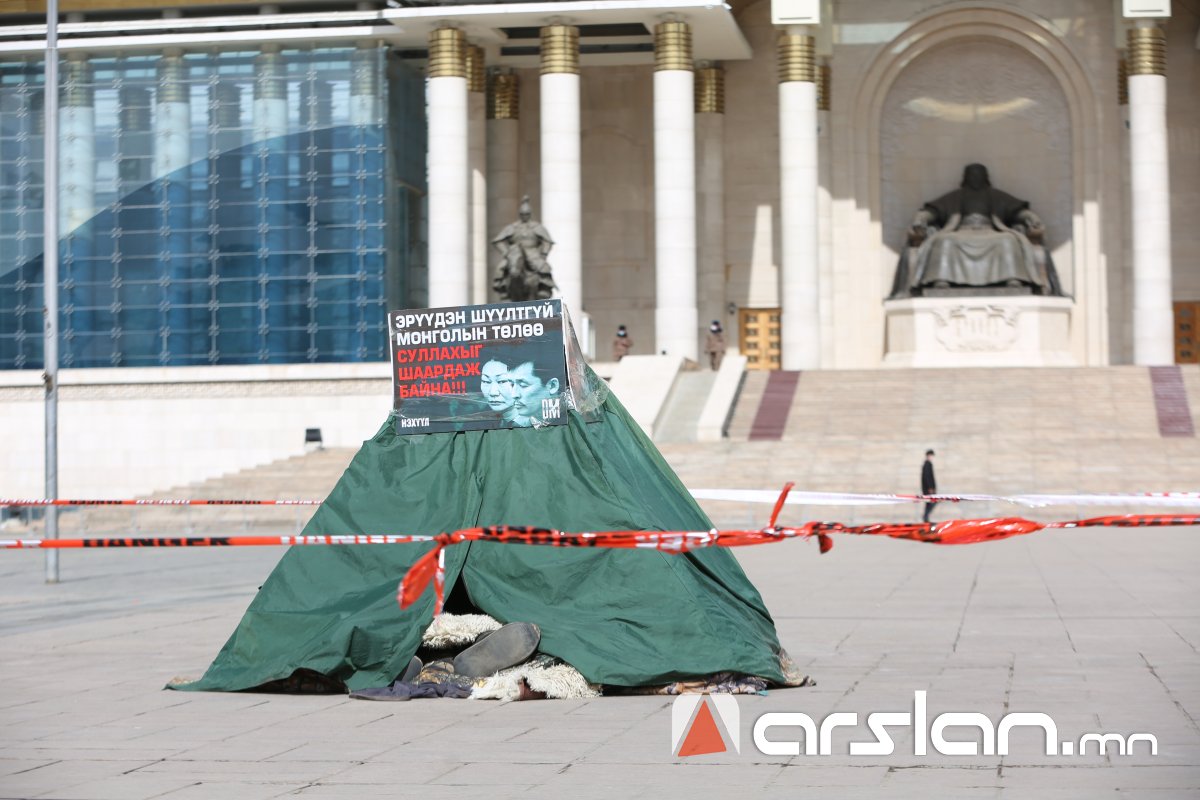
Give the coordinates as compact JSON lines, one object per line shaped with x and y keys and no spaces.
{"x":462,"y":368}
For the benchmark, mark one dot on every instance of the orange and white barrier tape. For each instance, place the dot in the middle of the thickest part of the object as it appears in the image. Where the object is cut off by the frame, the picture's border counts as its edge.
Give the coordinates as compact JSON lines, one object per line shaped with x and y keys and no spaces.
{"x":1162,"y":499}
{"x":430,"y":567}
{"x":61,"y":502}
{"x":1154,"y":499}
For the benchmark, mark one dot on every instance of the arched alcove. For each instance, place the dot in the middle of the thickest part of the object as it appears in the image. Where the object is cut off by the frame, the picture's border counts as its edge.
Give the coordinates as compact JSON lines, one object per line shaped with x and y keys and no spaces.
{"x":1036,"y":49}
{"x":985,"y":101}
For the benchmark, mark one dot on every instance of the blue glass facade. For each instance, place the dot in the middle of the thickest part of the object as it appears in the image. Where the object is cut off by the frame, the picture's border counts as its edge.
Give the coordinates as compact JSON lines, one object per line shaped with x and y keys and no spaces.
{"x":215,"y":208}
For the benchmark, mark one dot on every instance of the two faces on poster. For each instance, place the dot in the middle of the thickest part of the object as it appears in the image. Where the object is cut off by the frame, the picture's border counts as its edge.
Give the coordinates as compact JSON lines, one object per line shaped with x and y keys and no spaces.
{"x":517,"y":389}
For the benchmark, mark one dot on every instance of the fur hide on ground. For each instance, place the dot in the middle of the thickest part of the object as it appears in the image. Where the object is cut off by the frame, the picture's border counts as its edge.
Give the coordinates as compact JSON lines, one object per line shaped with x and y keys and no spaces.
{"x":457,"y":630}
{"x":557,"y":679}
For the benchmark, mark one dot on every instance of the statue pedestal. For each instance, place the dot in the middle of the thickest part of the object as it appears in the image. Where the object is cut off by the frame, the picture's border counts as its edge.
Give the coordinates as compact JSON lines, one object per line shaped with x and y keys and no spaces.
{"x":964,"y":331}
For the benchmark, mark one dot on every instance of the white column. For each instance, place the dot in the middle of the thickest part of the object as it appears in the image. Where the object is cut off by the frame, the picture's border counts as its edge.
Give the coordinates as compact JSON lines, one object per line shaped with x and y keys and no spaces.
{"x":477,"y":164}
{"x":825,"y":219}
{"x":1121,"y":291}
{"x":799,"y":289}
{"x":364,"y":86}
{"x":710,"y":198}
{"x":449,"y":275}
{"x":561,"y":210}
{"x":503,"y":137}
{"x":77,"y":147}
{"x":172,"y":117}
{"x":676,"y":328}
{"x":270,"y":113}
{"x":1150,"y":198}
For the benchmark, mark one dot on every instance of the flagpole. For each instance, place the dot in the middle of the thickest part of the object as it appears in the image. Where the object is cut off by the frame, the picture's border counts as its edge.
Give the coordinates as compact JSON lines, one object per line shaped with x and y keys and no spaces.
{"x":50,"y":277}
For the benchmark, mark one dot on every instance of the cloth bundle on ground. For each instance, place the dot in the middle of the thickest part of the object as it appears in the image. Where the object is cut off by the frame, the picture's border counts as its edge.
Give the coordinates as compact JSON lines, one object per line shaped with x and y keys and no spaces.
{"x":624,"y":618}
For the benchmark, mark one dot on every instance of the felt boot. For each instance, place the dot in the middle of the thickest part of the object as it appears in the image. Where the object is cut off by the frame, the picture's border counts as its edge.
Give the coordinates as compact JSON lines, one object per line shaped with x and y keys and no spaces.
{"x":501,"y":649}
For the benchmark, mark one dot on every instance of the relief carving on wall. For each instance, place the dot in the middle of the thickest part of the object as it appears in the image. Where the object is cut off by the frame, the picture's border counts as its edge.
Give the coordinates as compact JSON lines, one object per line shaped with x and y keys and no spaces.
{"x":984,"y":328}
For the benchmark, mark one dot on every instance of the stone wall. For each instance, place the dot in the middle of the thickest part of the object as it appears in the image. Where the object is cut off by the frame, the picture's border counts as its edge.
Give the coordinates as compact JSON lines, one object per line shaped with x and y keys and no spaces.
{"x":127,"y":432}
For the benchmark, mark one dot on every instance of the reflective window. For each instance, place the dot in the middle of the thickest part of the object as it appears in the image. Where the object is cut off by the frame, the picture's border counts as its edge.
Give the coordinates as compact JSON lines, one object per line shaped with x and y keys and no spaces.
{"x":214,"y":208}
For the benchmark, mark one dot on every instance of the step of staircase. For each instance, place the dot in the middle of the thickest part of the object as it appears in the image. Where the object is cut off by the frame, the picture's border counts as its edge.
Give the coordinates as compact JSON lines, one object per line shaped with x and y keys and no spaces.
{"x":747,"y":404}
{"x":682,"y":410}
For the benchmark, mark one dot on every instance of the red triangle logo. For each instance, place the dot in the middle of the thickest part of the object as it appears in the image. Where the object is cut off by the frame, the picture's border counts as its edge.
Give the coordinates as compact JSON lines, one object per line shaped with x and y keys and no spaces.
{"x":703,"y":736}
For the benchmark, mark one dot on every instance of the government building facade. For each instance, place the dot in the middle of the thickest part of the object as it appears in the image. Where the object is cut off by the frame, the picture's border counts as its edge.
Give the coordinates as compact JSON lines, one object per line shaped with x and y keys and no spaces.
{"x":245,"y":191}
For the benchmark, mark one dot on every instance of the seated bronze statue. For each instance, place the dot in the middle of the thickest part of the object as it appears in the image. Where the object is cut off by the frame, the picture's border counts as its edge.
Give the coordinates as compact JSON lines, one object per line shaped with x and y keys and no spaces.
{"x":523,"y":273}
{"x":975,"y":237}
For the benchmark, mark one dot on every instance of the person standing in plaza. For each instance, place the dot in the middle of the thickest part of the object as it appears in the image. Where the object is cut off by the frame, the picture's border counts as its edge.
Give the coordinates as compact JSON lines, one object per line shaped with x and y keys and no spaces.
{"x":621,"y":343}
{"x":928,"y":483}
{"x":714,"y":344}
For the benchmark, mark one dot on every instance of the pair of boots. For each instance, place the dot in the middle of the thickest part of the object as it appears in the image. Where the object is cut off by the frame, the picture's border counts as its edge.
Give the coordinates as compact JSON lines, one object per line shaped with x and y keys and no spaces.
{"x":490,"y":653}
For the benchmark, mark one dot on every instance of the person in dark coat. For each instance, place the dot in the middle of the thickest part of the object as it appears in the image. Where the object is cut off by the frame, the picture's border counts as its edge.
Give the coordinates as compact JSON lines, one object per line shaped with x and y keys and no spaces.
{"x":928,"y":483}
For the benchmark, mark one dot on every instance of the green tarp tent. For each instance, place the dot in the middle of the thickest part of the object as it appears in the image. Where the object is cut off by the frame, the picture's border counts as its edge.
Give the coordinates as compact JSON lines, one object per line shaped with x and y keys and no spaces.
{"x":621,"y":617}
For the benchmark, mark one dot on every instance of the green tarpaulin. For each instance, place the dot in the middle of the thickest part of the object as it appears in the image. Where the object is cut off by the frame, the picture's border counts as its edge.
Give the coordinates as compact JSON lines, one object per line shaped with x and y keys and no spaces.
{"x":623,"y":617}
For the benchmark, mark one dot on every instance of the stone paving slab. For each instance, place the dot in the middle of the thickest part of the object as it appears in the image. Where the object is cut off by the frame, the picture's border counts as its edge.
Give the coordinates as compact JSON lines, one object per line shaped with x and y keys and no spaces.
{"x":1099,"y":629}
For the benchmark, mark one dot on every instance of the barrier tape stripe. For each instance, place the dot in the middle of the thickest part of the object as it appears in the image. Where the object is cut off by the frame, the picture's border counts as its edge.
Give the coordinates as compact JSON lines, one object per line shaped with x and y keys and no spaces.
{"x":61,"y":502}
{"x":962,"y":531}
{"x":430,"y":567}
{"x":208,"y":541}
{"x":1184,"y":499}
{"x":1181,"y":499}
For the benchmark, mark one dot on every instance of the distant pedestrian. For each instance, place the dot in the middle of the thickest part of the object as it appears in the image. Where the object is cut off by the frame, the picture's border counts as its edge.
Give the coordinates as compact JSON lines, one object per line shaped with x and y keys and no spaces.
{"x":621,"y":343}
{"x":714,"y":344}
{"x":928,"y":483}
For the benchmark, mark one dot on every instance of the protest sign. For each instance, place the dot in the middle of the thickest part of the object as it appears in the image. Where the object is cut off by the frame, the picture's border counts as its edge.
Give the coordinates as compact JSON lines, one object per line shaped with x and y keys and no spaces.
{"x":478,"y":367}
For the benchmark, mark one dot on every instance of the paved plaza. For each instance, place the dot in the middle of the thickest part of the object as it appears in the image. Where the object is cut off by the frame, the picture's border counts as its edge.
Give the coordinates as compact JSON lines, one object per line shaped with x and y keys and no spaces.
{"x":1098,"y":629}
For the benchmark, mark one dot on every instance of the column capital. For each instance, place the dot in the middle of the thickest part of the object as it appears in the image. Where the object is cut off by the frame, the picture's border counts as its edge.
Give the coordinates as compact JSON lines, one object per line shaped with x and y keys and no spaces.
{"x":364,"y":70}
{"x":447,"y":53}
{"x":476,"y":70}
{"x":710,"y":90}
{"x":1122,"y":81}
{"x":172,"y":86}
{"x":268,"y":83}
{"x":504,"y":96}
{"x":672,"y":46}
{"x":1147,"y":51}
{"x":797,"y":58}
{"x":77,"y":88}
{"x":824,"y":78}
{"x":560,"y":49}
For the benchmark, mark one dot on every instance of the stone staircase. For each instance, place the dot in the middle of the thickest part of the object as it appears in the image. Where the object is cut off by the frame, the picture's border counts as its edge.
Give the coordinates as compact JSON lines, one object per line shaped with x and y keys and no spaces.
{"x":305,"y":477}
{"x":1002,"y":431}
{"x":682,"y":410}
{"x":996,"y":431}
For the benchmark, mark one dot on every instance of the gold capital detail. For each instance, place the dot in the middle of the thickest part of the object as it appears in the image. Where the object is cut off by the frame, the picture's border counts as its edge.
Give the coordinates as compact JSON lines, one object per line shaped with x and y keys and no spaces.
{"x":269,"y":83}
{"x":476,"y":74}
{"x":823,"y":81}
{"x":364,"y":66}
{"x":710,"y":90}
{"x":797,"y":58}
{"x":560,"y":49}
{"x":1123,"y":82}
{"x":447,"y":53}
{"x":77,"y":84}
{"x":1147,"y":51}
{"x":672,"y":46}
{"x":504,"y":96}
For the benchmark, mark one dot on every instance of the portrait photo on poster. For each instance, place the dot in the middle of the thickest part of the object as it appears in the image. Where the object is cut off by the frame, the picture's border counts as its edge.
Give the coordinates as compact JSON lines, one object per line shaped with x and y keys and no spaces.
{"x":501,"y":365}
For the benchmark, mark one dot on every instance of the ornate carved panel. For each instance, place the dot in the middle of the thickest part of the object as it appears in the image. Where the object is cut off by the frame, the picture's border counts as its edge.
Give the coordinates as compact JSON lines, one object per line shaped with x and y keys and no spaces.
{"x":982,"y":328}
